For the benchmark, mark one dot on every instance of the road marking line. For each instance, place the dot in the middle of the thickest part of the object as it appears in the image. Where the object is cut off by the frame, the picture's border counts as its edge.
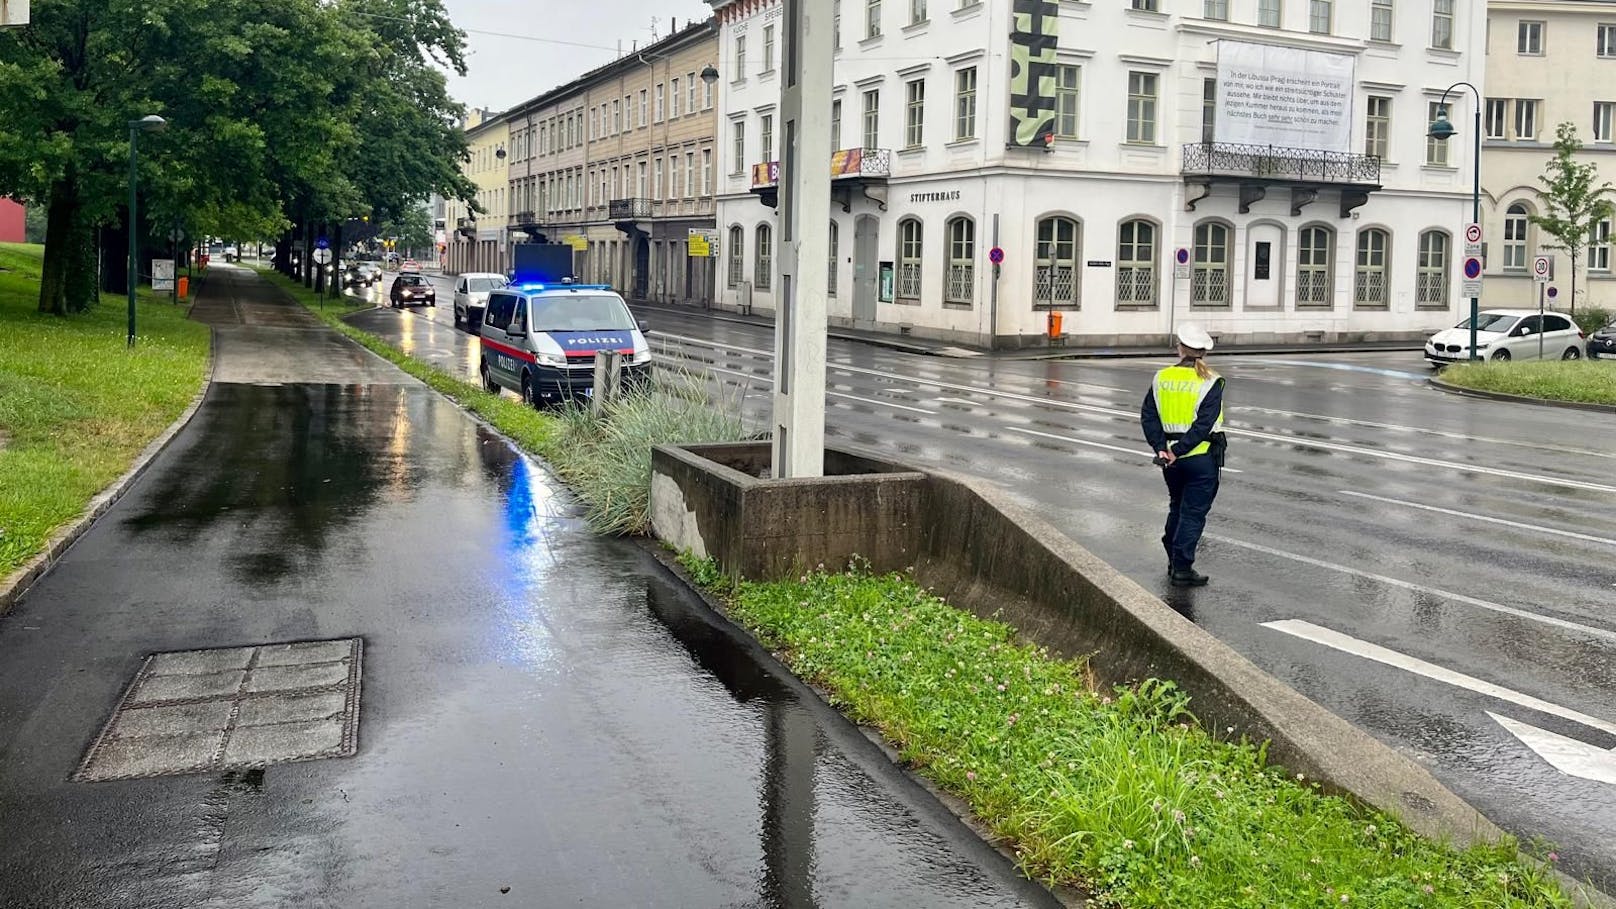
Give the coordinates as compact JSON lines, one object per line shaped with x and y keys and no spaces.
{"x":1335,"y":640}
{"x":1231,"y":430}
{"x":1344,"y":367}
{"x":1479,"y":517}
{"x":957,"y":401}
{"x":1567,"y":755}
{"x":1440,"y":433}
{"x":835,"y":394}
{"x":1589,"y":630}
{"x":1033,"y":432}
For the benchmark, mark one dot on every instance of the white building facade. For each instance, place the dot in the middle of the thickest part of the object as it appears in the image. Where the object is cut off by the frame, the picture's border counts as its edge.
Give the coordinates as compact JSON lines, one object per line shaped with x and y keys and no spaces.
{"x":1111,"y":160}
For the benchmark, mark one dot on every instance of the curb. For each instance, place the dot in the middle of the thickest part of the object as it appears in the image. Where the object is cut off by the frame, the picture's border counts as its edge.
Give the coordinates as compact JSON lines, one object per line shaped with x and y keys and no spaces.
{"x":15,"y":585}
{"x":1067,"y":896}
{"x":1460,"y":390}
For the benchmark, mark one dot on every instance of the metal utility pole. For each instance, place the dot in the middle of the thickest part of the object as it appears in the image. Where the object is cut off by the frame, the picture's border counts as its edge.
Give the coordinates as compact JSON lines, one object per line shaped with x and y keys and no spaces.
{"x":799,"y":326}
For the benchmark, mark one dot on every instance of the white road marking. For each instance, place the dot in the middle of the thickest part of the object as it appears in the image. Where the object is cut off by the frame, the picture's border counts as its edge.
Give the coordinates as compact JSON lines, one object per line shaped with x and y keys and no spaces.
{"x":1567,"y":755}
{"x":1075,"y":441}
{"x":1600,"y":633}
{"x":1344,"y":367}
{"x":1440,"y":433}
{"x":957,"y":401}
{"x":1481,"y":517}
{"x":766,"y":380}
{"x":1453,"y":466}
{"x":1335,"y":640}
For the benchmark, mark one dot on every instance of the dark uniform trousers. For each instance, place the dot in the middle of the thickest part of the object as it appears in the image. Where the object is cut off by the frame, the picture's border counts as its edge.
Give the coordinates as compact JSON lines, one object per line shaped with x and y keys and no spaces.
{"x":1192,"y":484}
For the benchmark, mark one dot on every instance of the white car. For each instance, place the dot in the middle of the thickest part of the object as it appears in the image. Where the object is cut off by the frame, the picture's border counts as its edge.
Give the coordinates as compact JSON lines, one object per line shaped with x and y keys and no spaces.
{"x":1507,"y":334}
{"x":471,"y":296}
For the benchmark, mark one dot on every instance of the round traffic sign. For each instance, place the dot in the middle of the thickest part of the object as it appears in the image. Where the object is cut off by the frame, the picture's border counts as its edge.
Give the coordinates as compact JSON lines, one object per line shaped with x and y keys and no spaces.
{"x":1540,"y":266}
{"x":322,"y":255}
{"x":1182,"y":256}
{"x":1472,"y":268}
{"x":996,"y":255}
{"x":1554,"y":292}
{"x":322,"y":243}
{"x":1473,"y":233}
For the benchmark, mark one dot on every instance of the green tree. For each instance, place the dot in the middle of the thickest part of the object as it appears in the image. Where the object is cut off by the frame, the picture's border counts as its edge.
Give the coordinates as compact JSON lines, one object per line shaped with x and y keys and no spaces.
{"x":1574,"y":201}
{"x":412,"y":227}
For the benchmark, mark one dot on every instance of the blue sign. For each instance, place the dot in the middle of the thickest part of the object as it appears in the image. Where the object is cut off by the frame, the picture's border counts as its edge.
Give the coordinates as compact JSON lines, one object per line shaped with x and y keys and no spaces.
{"x":1472,"y":268}
{"x":1554,"y":292}
{"x":1183,"y":256}
{"x":322,"y":243}
{"x":996,"y":255}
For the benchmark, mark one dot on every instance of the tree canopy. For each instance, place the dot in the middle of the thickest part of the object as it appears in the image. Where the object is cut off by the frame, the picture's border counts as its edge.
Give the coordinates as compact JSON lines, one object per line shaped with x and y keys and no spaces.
{"x":1574,"y":201}
{"x":278,"y":111}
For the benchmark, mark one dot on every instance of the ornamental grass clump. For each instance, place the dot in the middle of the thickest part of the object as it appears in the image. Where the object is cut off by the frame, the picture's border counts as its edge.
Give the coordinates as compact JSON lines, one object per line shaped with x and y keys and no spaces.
{"x":1117,"y":792}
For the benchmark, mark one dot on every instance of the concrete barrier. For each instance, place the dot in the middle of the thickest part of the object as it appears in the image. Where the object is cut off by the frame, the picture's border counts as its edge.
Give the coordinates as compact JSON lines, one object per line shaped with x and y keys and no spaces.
{"x":970,"y":544}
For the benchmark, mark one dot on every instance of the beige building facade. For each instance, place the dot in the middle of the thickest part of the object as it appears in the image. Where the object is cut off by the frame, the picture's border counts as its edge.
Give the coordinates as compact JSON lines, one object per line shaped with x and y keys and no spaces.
{"x":1548,"y":62}
{"x":478,"y":241}
{"x":619,"y":164}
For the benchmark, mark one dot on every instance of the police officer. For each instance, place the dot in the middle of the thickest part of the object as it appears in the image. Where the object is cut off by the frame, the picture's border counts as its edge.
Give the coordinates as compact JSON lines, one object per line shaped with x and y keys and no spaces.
{"x":1183,"y":421}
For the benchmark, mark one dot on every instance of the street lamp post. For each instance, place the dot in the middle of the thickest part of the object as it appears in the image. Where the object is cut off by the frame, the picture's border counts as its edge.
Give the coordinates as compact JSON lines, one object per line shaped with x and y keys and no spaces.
{"x":1442,"y":130}
{"x":148,"y":122}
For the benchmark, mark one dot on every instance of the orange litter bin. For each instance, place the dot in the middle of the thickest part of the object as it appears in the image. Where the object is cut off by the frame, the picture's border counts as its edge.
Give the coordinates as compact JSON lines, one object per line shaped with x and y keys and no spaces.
{"x":1054,"y":324}
{"x":184,"y":288}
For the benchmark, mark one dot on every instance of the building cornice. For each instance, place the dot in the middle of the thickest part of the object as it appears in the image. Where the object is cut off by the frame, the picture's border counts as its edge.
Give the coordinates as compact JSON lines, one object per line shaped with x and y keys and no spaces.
{"x":656,"y":52}
{"x":1251,"y":34}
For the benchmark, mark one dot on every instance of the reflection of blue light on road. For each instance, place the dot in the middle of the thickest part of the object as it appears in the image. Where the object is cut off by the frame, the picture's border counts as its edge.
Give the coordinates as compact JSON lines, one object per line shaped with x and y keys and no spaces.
{"x":528,"y":563}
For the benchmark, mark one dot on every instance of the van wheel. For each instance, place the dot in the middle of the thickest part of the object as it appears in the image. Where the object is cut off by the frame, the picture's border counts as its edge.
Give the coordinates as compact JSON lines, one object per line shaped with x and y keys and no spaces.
{"x":1571,"y":354}
{"x":457,"y":318}
{"x":489,"y":385}
{"x":1501,"y":357}
{"x":527,"y":391}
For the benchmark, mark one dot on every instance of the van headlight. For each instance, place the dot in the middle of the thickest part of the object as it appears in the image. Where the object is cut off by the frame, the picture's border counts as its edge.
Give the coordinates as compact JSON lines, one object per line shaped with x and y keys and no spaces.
{"x":642,"y":357}
{"x":551,"y":360}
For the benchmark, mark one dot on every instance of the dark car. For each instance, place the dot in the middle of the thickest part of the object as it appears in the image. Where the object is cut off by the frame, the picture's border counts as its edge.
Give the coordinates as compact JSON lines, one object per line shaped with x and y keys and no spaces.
{"x":410,"y":289}
{"x":1603,"y":342}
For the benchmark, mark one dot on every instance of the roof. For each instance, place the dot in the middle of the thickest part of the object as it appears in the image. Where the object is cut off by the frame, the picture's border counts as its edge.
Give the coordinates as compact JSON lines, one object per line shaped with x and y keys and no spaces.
{"x":696,"y":31}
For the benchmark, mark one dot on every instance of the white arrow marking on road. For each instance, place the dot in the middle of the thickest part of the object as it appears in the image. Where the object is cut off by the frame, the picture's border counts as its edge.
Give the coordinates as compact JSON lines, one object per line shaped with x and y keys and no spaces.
{"x":1335,"y":640}
{"x":1567,"y":755}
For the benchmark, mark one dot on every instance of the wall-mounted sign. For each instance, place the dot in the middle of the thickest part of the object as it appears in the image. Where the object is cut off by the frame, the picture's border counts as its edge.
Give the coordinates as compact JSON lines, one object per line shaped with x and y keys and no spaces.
{"x":1034,"y":35}
{"x":162,"y":274}
{"x":886,"y":280}
{"x":1284,"y":96}
{"x":944,"y":196}
{"x":702,"y":243}
{"x":1099,"y":263}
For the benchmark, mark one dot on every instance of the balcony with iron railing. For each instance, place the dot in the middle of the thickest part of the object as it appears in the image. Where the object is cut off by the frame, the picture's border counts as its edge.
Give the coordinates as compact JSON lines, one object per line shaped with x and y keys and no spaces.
{"x":466,"y":227}
{"x":1256,"y":168}
{"x":525,"y":219}
{"x":634,"y":209}
{"x":850,"y":168}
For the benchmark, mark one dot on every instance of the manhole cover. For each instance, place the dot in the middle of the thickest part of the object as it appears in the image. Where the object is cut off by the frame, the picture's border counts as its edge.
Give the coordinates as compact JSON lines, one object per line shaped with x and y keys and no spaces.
{"x":196,"y":711}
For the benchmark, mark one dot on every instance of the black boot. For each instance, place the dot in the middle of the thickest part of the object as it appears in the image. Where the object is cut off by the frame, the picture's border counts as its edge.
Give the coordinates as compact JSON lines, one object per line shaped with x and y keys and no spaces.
{"x":1187,"y":577}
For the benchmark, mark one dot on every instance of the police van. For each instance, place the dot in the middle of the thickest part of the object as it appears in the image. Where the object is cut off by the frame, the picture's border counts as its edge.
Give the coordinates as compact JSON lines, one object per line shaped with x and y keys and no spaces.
{"x":540,"y":339}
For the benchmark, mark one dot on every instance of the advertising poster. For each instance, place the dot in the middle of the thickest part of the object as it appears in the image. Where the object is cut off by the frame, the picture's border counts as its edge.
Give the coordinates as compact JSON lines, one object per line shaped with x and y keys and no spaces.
{"x":1284,"y":97}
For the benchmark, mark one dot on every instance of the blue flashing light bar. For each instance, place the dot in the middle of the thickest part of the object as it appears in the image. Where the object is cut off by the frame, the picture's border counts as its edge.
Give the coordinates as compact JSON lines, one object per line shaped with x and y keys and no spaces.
{"x":553,"y":285}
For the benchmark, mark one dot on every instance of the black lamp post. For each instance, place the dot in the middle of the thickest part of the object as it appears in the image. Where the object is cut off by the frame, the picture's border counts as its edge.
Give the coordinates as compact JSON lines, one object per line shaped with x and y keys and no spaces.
{"x":1442,"y":130}
{"x":148,"y":122}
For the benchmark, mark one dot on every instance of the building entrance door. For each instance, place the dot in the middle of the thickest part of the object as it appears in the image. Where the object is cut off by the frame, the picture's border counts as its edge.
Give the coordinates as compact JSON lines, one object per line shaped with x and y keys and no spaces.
{"x":1265,"y":266}
{"x":866,"y":251}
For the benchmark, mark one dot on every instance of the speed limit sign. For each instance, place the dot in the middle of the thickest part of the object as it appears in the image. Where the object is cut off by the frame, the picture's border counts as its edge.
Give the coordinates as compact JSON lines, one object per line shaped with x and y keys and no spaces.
{"x":1543,"y":269}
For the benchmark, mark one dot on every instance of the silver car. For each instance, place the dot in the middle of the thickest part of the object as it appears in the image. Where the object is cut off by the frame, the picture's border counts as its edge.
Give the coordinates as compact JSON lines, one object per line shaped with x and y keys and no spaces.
{"x":471,"y":296}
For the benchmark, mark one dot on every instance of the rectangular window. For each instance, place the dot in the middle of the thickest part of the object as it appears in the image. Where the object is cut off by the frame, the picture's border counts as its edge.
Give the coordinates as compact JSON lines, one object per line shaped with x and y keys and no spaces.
{"x":673,"y":99}
{"x":739,"y":149}
{"x":1599,"y":247}
{"x":836,"y":126}
{"x":917,"y":11}
{"x":1268,"y":13}
{"x":1529,"y":38}
{"x":656,"y":108}
{"x":768,"y":49}
{"x":836,"y":25}
{"x":914,"y":115}
{"x":690,"y":174}
{"x":1068,"y":87}
{"x":1436,"y":152}
{"x":1442,"y":24}
{"x":872,"y":19}
{"x":1378,"y":126}
{"x":1607,"y":40}
{"x":644,"y":106}
{"x":872,"y":118}
{"x":1603,"y":113}
{"x":617,"y":117}
{"x":707,"y":89}
{"x":1142,"y":107}
{"x":706,"y":171}
{"x":1320,"y":16}
{"x":1497,"y":118}
{"x":740,"y":57}
{"x":1209,"y":109}
{"x":1380,"y":20}
{"x":1525,"y":120}
{"x":640,"y":187}
{"x":766,"y":130}
{"x":965,"y":104}
{"x":1145,"y":6}
{"x":1215,"y":9}
{"x":690,"y":93}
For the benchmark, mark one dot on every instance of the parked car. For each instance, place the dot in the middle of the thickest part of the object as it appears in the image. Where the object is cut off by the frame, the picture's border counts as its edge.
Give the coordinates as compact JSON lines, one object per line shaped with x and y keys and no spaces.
{"x":541,"y":340}
{"x":1507,"y":334}
{"x":1603,"y":342}
{"x":410,"y":289}
{"x":410,"y":265}
{"x":471,"y":294}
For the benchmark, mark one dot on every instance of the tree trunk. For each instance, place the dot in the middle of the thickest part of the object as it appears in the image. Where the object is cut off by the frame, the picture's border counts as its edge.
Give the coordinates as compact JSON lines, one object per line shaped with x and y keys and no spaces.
{"x":1574,"y":259}
{"x":61,"y":222}
{"x":115,"y":256}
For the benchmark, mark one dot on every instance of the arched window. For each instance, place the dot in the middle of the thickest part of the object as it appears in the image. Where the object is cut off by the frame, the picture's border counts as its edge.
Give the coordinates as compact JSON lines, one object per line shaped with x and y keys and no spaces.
{"x":1055,"y":262}
{"x":1515,"y":236}
{"x":960,"y":285}
{"x":910,"y":238}
{"x":1431,"y":282}
{"x":1369,"y":289}
{"x":737,"y":250}
{"x":1136,"y":263}
{"x":834,"y":238}
{"x":1209,"y":282}
{"x":763,"y":272}
{"x":1315,"y":255}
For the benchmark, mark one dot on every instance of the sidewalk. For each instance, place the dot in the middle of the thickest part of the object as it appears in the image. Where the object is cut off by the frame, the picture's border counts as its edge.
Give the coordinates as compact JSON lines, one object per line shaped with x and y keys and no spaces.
{"x":544,"y":717}
{"x":934,"y":348}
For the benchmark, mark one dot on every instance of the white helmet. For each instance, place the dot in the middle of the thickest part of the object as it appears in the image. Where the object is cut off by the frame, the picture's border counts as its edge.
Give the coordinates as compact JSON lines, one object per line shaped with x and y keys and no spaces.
{"x":1194,"y":337}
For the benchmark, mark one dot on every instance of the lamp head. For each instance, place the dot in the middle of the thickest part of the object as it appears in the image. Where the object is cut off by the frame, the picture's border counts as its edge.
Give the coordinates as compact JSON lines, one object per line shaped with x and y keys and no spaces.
{"x":148,"y":122}
{"x":709,"y":74}
{"x":1441,"y":129}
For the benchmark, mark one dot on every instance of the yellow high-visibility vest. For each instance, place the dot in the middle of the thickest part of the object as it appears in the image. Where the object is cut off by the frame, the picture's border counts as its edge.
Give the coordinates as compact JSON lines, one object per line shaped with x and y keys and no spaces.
{"x":1179,"y":393}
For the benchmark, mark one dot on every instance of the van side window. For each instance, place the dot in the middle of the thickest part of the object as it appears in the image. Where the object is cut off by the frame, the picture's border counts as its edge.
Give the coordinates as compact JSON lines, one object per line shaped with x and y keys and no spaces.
{"x":500,"y":307}
{"x":519,"y":319}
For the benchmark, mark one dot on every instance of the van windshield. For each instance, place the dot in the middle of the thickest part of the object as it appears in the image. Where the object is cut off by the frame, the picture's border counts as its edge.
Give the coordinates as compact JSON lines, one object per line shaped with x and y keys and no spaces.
{"x":580,"y":312}
{"x":483,"y":285}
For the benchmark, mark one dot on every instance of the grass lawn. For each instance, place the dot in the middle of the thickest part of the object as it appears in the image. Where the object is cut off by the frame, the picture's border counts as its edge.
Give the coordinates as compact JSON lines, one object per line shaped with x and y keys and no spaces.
{"x":1118,"y":792}
{"x":76,"y":405}
{"x":1582,"y":381}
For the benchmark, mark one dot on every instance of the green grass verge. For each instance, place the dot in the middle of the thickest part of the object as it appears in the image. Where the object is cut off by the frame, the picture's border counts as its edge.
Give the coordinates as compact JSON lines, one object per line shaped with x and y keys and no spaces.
{"x":1579,"y":381}
{"x":1119,"y":793}
{"x":76,"y":405}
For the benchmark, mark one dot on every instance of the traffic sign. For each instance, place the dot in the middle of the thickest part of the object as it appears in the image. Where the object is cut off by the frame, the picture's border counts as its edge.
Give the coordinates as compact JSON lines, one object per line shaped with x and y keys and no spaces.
{"x":322,"y":243}
{"x":1554,"y":292}
{"x":176,"y":235}
{"x":1182,"y":257}
{"x":1473,"y":239}
{"x":322,"y":255}
{"x":1543,"y":269}
{"x":1471,"y":285}
{"x":996,"y":256}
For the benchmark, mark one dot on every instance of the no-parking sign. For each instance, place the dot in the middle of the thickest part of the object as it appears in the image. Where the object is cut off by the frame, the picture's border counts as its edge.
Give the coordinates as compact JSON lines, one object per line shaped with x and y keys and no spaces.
{"x":1471,"y":285}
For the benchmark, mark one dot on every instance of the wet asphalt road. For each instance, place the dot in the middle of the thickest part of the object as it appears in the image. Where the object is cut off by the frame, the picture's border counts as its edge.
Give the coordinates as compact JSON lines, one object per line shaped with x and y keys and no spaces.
{"x":1456,"y":543}
{"x":543,"y":710}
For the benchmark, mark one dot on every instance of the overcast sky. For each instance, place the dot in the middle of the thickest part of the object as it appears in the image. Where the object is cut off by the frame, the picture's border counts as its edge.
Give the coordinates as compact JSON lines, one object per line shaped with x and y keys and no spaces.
{"x":502,"y":71}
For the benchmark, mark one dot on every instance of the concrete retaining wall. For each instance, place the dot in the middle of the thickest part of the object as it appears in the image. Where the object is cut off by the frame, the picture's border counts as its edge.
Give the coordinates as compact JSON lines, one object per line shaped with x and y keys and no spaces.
{"x":965,"y":540}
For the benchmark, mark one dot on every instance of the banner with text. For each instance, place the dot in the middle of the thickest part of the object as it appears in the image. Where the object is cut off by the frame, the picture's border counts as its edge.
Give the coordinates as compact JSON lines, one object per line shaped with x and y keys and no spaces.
{"x":1284,"y":96}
